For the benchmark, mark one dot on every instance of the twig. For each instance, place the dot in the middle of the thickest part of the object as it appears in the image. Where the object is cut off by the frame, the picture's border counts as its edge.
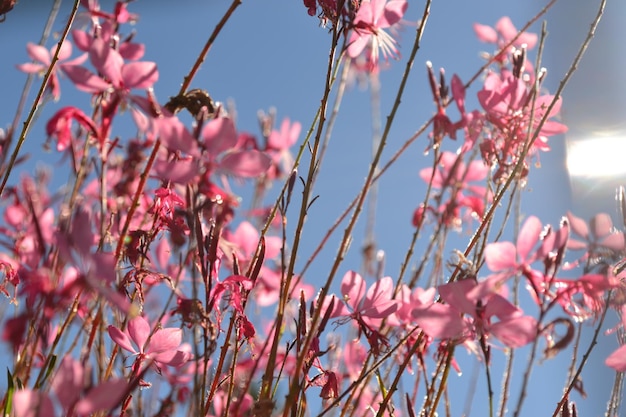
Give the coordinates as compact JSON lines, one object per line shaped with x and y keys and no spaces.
{"x":37,"y":101}
{"x":29,"y":80}
{"x":585,"y":357}
{"x":557,"y":95}
{"x":207,"y":46}
{"x":361,"y":199}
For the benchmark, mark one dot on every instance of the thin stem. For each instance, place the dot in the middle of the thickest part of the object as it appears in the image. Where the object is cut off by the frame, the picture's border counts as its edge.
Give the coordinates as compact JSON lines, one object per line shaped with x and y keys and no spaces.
{"x":444,"y":380}
{"x":486,"y":354}
{"x":347,"y":237}
{"x":548,"y":111}
{"x":369,"y":371}
{"x":369,"y":245}
{"x":29,"y":80}
{"x":613,"y":406}
{"x":36,"y":103}
{"x":384,"y":167}
{"x":292,"y":396}
{"x":332,"y":118}
{"x":135,"y":203}
{"x":506,"y":384}
{"x":592,"y":344}
{"x":207,"y":46}
{"x":400,"y":372}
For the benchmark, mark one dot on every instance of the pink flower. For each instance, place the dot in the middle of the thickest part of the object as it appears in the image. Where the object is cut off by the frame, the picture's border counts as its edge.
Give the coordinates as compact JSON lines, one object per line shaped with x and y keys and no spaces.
{"x":412,"y":299}
{"x":119,"y":15}
{"x":442,"y":125}
{"x":278,"y":144}
{"x":470,"y":310}
{"x":370,"y":307}
{"x":503,"y":256}
{"x":161,"y":347}
{"x":455,"y":177}
{"x":73,"y":394}
{"x":115,"y":81}
{"x":372,"y":17}
{"x":311,"y":6}
{"x":600,"y":239}
{"x":245,"y":239}
{"x":508,"y":259}
{"x":29,"y":403}
{"x":503,"y":33}
{"x":43,"y":59}
{"x":585,"y":296}
{"x":116,"y":75}
{"x":60,"y":126}
{"x":220,"y":140}
{"x":508,"y":105}
{"x":128,"y":50}
{"x":242,"y":243}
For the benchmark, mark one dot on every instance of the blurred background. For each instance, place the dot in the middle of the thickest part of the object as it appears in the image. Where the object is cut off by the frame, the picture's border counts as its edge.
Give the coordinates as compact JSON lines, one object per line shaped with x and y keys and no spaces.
{"x":272,"y":54}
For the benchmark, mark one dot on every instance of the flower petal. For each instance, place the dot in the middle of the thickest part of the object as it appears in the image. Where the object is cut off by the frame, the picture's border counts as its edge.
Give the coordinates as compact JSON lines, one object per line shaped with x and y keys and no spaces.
{"x":84,"y":79}
{"x":528,"y":237}
{"x":500,"y":256}
{"x":353,"y":289}
{"x":165,"y":340}
{"x":105,"y":397}
{"x":219,"y":135}
{"x":617,"y":359}
{"x":107,"y":61}
{"x":139,"y":74}
{"x":121,"y":339}
{"x":39,"y":53}
{"x":441,"y":321}
{"x":516,"y":332}
{"x":139,"y":330}
{"x":485,"y":33}
{"x":246,"y":164}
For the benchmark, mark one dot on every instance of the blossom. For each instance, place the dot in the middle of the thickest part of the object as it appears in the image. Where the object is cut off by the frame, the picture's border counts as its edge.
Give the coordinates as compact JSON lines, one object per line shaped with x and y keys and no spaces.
{"x":508,"y":104}
{"x":508,"y":259}
{"x":72,"y":393}
{"x":506,"y":256}
{"x":43,"y":60}
{"x":162,"y":346}
{"x":278,"y":144}
{"x":116,"y":75}
{"x":600,"y":239}
{"x":242,"y":243}
{"x":106,"y":32}
{"x":470,"y":310}
{"x":454,"y":176}
{"x":503,"y":33}
{"x":370,"y":307}
{"x":120,"y":13}
{"x":369,"y":23}
{"x":584,"y":297}
{"x":442,"y":125}
{"x":328,"y":13}
{"x":60,"y":126}
{"x":220,"y":140}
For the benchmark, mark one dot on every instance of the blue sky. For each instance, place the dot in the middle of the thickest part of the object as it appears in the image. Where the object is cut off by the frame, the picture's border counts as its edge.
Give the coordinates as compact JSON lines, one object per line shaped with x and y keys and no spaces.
{"x":272,"y":54}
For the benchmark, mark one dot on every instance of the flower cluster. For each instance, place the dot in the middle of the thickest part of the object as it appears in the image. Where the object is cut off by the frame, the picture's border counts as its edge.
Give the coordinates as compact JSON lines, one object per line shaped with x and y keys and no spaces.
{"x":144,"y":287}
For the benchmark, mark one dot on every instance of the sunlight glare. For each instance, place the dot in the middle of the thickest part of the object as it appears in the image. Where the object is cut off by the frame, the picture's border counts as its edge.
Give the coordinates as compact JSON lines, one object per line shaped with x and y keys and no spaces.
{"x":597,"y":157}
